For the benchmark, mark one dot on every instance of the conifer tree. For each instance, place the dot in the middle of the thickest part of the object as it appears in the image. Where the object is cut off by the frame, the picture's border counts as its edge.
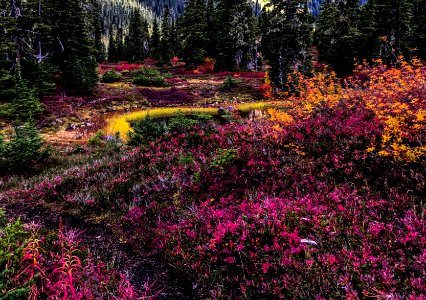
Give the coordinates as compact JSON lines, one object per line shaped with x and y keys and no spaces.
{"x":193,"y":33}
{"x":337,"y":35}
{"x":211,"y":28}
{"x":290,"y":34}
{"x":394,"y":26}
{"x":25,"y":106}
{"x":95,"y":28}
{"x":237,"y":34}
{"x":419,"y":28}
{"x":155,"y":41}
{"x":24,"y":151}
{"x":120,"y":45}
{"x":264,"y":27}
{"x":174,"y":38}
{"x":112,"y":48}
{"x":137,"y":40}
{"x":73,"y":52}
{"x":166,"y":36}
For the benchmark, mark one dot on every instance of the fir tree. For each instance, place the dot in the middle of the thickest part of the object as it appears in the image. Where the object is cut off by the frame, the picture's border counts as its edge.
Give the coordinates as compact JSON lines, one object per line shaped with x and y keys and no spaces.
{"x":112,"y":48}
{"x":137,"y":41}
{"x":166,"y":36}
{"x":237,"y":34}
{"x":24,"y":151}
{"x":95,"y":28}
{"x":155,"y":41}
{"x":120,"y":45}
{"x":73,"y":52}
{"x":394,"y":27}
{"x":25,"y":106}
{"x":193,"y":33}
{"x":211,"y":28}
{"x":419,"y":28}
{"x":290,"y":34}
{"x":337,"y":35}
{"x":174,"y":38}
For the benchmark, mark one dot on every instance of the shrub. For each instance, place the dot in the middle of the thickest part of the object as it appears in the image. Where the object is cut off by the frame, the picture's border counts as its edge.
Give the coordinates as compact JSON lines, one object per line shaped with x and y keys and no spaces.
{"x":7,"y":86}
{"x":149,"y":77}
{"x":25,"y":105}
{"x":150,"y":72}
{"x":36,"y":264}
{"x":229,"y":84}
{"x":149,"y":129}
{"x":156,"y":81}
{"x":25,"y":151}
{"x":146,"y":130}
{"x":111,"y":76}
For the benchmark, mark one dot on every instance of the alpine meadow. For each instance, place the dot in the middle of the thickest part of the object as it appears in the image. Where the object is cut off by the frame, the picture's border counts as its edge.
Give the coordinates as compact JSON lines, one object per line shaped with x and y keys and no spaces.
{"x":212,"y":149}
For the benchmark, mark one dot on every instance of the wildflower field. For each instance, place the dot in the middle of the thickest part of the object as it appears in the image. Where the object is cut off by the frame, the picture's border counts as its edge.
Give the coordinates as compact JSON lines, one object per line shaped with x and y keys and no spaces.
{"x":322,"y":200}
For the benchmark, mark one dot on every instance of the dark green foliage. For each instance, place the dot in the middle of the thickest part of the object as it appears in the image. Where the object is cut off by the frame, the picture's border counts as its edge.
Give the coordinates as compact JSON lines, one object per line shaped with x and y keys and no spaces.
{"x":12,"y":243}
{"x":155,"y":44}
{"x":143,"y":80}
{"x":145,"y":131}
{"x":394,"y":27}
{"x":182,"y":123}
{"x":193,"y":33}
{"x":24,"y":151}
{"x":289,"y":35}
{"x":120,"y":45}
{"x":419,"y":28}
{"x":166,"y":36}
{"x":112,"y":48}
{"x":111,"y":76}
{"x":349,"y":33}
{"x":229,"y":84}
{"x":74,"y":51}
{"x":237,"y":34}
{"x":25,"y":106}
{"x":149,"y":129}
{"x":148,"y":77}
{"x":147,"y":72}
{"x":137,"y":41}
{"x":7,"y":86}
{"x":94,"y":12}
{"x":211,"y":29}
{"x":39,"y":76}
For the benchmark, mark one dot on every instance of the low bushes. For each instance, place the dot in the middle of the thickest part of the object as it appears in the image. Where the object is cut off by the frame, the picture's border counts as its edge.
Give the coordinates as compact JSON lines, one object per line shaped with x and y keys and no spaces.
{"x":54,"y":265}
{"x":149,"y":129}
{"x":229,"y":84}
{"x":111,"y":76}
{"x":322,"y":201}
{"x":149,"y":77}
{"x":24,"y":151}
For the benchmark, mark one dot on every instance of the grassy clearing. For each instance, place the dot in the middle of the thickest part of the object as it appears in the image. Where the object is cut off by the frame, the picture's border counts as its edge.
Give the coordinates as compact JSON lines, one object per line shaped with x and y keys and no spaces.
{"x":121,"y":123}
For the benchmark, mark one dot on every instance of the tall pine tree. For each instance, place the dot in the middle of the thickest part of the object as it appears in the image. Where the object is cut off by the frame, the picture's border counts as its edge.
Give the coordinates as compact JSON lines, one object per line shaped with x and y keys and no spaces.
{"x":337,"y":35}
{"x":74,"y":52}
{"x":137,"y":45}
{"x":166,"y":36}
{"x":289,"y":34}
{"x":155,"y":43}
{"x":237,"y":34}
{"x":193,"y":33}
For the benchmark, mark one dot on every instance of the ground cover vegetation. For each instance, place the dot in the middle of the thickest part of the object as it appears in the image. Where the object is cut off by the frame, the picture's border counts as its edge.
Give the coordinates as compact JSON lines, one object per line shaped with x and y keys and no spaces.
{"x":229,"y":150}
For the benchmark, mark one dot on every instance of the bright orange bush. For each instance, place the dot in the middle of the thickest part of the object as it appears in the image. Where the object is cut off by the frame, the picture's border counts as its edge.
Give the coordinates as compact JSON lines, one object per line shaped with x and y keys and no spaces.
{"x":396,"y":96}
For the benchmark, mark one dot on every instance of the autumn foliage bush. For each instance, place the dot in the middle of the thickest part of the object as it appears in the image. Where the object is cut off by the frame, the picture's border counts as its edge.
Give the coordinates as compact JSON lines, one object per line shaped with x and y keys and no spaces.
{"x":37,"y":264}
{"x":323,"y":200}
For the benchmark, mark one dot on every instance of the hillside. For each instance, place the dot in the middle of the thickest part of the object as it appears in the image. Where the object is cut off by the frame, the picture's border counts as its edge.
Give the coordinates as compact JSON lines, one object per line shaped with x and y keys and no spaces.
{"x":229,"y":155}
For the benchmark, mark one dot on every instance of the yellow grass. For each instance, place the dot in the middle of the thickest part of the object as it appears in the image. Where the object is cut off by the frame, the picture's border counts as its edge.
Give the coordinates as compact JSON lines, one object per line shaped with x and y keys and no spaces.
{"x":120,"y":123}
